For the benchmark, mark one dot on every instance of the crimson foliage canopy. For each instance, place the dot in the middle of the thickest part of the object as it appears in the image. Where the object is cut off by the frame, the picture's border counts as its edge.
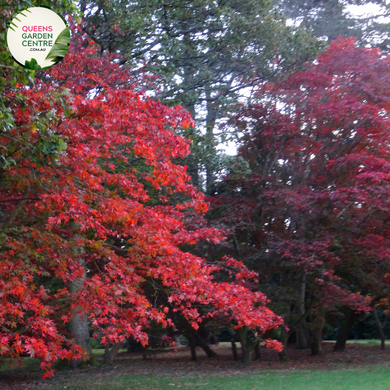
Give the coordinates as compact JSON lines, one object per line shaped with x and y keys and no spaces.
{"x":97,"y":197}
{"x":313,"y":215}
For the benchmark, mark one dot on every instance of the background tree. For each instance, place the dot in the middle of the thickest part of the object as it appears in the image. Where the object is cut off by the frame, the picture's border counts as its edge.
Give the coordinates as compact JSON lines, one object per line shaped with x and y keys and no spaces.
{"x":205,"y":52}
{"x":330,"y":19}
{"x":311,"y":217}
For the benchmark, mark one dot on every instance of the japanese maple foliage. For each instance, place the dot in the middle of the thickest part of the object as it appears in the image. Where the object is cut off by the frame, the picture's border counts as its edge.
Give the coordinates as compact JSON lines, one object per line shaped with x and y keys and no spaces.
{"x":312,"y":217}
{"x":99,"y":208}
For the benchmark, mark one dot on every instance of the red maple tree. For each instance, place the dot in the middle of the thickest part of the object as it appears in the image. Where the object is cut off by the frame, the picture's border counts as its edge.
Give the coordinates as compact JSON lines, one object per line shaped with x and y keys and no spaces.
{"x":93,"y":206}
{"x":312,"y":217}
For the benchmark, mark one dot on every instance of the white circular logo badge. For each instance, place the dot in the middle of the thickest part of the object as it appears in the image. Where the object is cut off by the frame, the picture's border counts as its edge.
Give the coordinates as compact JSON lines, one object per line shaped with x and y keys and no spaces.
{"x":38,"y":38}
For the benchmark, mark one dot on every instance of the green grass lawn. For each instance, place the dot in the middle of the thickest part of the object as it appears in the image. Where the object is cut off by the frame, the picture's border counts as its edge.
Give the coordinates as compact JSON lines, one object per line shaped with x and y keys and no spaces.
{"x":365,"y":379}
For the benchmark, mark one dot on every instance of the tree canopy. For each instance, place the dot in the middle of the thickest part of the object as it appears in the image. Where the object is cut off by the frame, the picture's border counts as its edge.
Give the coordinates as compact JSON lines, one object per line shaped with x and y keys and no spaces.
{"x":87,"y":227}
{"x":205,"y":53}
{"x":311,"y":216}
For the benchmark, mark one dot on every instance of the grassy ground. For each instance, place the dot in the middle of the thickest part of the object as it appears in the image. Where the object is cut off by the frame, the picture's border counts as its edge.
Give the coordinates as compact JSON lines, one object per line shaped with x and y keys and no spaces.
{"x":374,"y":378}
{"x":361,"y":367}
{"x":343,"y":379}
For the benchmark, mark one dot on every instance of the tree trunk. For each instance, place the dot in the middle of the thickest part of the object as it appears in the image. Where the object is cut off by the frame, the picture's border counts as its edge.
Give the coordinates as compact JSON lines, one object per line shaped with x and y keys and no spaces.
{"x":380,"y":328}
{"x":109,"y":354}
{"x":246,"y":347}
{"x":303,"y":339}
{"x":189,"y":104}
{"x":284,"y":335}
{"x":192,"y":347}
{"x":234,"y":350}
{"x":210,"y":148}
{"x":192,"y":165}
{"x":257,"y":351}
{"x":342,"y":338}
{"x":316,"y":346}
{"x":78,"y":325}
{"x":203,"y":344}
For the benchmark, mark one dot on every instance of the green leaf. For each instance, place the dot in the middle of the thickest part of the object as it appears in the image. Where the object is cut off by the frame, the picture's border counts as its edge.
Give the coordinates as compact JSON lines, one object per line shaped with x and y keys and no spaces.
{"x":60,"y":47}
{"x":57,"y":52}
{"x":64,"y":37}
{"x":32,"y":64}
{"x":62,"y":145}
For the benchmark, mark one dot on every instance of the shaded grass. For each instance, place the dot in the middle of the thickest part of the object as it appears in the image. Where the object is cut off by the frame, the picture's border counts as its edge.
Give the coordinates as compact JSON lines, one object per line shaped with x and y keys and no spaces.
{"x":362,"y":367}
{"x":356,"y":379}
